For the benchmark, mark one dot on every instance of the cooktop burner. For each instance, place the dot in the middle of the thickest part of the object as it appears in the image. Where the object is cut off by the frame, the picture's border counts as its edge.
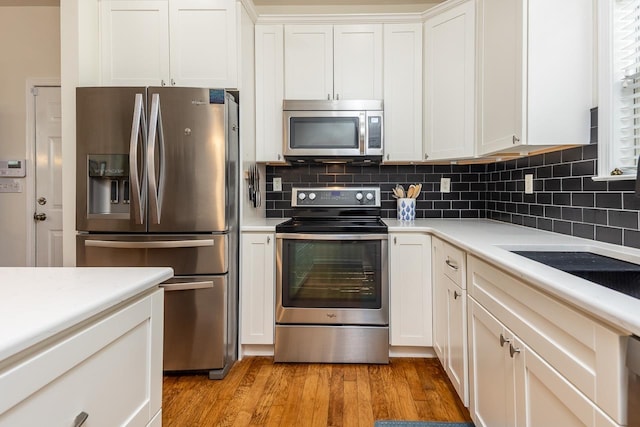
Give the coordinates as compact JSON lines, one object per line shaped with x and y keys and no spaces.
{"x":342,"y":210}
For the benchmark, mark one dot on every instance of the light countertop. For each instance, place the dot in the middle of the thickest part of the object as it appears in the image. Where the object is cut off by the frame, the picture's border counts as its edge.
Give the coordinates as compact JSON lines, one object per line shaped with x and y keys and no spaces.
{"x":493,"y":240}
{"x":37,"y":303}
{"x":262,"y":224}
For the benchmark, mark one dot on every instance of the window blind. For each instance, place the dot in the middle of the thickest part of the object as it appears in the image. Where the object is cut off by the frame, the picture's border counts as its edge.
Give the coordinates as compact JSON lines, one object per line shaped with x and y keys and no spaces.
{"x":627,"y":33}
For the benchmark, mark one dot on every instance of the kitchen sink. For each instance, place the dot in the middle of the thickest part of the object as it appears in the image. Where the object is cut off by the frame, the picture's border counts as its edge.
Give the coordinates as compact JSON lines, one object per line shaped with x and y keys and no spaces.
{"x":619,"y":275}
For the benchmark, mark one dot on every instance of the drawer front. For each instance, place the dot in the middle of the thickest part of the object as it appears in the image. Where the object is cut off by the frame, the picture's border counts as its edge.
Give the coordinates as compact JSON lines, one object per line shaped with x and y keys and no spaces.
{"x":454,"y":264}
{"x":111,"y":370}
{"x":588,"y":353}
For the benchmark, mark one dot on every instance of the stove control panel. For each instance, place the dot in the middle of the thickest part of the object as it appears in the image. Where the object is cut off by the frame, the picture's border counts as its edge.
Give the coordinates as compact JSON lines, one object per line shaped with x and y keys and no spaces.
{"x":336,"y":197}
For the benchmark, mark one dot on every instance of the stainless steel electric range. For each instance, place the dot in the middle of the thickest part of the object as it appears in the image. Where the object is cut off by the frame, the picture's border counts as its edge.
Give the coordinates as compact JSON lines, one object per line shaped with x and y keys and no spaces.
{"x":332,"y":285}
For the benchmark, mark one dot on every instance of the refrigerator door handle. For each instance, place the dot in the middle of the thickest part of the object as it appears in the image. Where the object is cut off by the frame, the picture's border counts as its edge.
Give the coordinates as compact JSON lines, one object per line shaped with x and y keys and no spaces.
{"x":163,"y":244}
{"x":187,"y":286}
{"x":138,"y":178}
{"x":156,"y":181}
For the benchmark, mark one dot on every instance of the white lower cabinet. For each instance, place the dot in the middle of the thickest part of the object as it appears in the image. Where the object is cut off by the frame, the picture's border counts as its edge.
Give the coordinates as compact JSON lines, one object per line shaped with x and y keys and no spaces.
{"x":257,"y":288}
{"x":410,"y":292}
{"x":450,"y":314}
{"x":109,"y":369}
{"x":534,"y":361}
{"x":511,"y":385}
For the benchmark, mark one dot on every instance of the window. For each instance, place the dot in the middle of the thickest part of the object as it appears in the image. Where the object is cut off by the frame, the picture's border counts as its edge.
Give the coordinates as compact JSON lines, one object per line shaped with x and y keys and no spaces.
{"x":619,"y":88}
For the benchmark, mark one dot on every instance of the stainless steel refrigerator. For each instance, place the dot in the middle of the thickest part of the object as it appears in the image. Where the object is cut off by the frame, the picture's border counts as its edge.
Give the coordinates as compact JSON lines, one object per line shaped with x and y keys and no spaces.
{"x":157,"y":185}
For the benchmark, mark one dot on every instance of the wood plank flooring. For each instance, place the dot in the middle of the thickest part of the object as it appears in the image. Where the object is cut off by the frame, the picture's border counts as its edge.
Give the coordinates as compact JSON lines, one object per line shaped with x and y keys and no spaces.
{"x":258,"y":392}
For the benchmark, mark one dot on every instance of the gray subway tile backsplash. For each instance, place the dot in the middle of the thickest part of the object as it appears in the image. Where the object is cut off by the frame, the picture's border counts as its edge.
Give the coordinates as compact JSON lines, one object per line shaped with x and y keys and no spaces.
{"x":566,"y":200}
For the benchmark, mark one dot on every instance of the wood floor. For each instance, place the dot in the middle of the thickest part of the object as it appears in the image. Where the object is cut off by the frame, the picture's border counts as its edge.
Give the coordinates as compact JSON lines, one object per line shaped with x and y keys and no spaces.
{"x":257,"y":392}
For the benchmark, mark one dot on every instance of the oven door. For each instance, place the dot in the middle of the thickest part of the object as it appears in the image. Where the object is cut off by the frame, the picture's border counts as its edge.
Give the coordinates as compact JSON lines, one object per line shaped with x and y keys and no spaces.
{"x":334,"y":279}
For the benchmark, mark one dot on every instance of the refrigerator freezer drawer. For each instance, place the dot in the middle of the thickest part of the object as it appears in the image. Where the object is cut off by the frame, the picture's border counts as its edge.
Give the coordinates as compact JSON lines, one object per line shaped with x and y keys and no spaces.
{"x":195,"y":323}
{"x":187,"y":254}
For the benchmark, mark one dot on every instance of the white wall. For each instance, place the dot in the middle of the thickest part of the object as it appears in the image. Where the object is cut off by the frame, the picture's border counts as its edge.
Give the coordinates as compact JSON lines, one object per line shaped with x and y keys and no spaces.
{"x":30,"y":46}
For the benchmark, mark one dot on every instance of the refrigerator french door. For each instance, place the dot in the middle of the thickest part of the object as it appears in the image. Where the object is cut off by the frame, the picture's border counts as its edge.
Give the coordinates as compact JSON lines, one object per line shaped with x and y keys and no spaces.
{"x":157,"y":185}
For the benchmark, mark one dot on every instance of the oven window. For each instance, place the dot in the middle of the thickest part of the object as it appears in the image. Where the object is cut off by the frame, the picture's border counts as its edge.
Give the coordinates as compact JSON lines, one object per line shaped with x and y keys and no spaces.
{"x":324,"y":132}
{"x":332,"y":274}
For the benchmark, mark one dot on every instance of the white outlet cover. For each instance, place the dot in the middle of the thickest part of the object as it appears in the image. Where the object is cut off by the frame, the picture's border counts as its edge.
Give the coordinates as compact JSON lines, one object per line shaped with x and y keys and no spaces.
{"x":528,"y":183}
{"x":277,"y":184}
{"x":445,"y":185}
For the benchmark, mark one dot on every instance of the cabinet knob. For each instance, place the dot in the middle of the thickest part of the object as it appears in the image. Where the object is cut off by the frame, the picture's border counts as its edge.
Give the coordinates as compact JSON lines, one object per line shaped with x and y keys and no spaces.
{"x":395,"y":240}
{"x":513,"y":350}
{"x":337,"y":96}
{"x":503,"y":340}
{"x":328,"y":97}
{"x":173,"y":82}
{"x":268,"y":239}
{"x":162,"y":83}
{"x":515,"y":139}
{"x":387,"y":156}
{"x":279,"y":157}
{"x":426,"y":156}
{"x":456,"y":294}
{"x":80,"y":419}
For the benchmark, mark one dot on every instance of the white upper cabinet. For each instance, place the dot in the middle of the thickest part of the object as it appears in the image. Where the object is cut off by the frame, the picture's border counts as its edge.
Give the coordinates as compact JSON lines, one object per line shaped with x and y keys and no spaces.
{"x":269,"y":54}
{"x":333,"y":62}
{"x":403,"y":92}
{"x":169,"y":42}
{"x":449,"y":121}
{"x":134,"y":42}
{"x":535,"y":61}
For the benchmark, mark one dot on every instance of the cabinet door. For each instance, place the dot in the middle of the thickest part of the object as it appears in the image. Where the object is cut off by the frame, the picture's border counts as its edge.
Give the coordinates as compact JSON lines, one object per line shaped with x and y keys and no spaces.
{"x":449,"y":125}
{"x":546,"y":398}
{"x":357,"y":61}
{"x":410,"y":320}
{"x":440,"y":306}
{"x":456,"y":359}
{"x":257,"y":288}
{"x":491,"y":372}
{"x":308,"y":61}
{"x":203,"y":43}
{"x":500,"y":74}
{"x":269,"y":54}
{"x":403,"y":92}
{"x":134,"y":42}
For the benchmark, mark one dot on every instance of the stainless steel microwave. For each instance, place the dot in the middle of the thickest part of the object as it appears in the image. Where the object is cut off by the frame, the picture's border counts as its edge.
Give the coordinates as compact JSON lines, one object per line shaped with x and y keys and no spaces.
{"x":350,"y":130}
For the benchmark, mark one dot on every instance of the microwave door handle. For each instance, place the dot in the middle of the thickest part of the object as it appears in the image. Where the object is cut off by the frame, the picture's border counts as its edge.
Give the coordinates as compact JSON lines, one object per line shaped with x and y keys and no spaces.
{"x":137,"y":179}
{"x":363,"y":130}
{"x":151,"y":149}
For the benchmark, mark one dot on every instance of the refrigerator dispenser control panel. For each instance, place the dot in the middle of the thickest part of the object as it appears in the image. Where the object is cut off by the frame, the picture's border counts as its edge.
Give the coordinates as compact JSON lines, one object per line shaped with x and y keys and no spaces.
{"x":12,"y":168}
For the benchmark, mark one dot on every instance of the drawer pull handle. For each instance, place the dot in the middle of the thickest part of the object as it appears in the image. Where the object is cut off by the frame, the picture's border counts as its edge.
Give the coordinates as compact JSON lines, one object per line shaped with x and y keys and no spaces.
{"x":451,"y":264}
{"x":456,"y":295}
{"x":503,"y":340}
{"x":80,"y":419}
{"x":513,"y":350}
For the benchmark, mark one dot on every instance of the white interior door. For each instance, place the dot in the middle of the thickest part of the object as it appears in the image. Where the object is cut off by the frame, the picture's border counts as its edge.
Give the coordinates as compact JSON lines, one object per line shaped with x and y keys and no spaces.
{"x":48,"y":194}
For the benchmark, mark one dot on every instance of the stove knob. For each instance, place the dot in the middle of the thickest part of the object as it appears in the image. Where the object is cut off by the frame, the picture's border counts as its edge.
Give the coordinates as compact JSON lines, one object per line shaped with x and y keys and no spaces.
{"x":369,"y":196}
{"x":302,"y":196}
{"x":359,"y":196}
{"x":312,"y":196}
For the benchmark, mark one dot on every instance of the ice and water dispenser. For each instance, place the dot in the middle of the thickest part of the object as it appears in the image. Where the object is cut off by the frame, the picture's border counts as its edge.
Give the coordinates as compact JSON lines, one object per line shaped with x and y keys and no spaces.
{"x":108,"y":184}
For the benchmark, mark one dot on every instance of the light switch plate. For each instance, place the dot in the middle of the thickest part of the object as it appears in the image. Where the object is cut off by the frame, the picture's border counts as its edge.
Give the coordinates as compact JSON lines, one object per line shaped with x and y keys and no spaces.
{"x":445,"y":185}
{"x":528,"y":183}
{"x":277,"y":184}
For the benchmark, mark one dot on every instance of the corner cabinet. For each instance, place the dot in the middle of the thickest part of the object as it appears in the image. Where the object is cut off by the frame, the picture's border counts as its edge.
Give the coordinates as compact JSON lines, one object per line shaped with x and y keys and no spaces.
{"x":410,"y":292}
{"x":109,"y":368}
{"x":534,"y":361}
{"x":169,"y":42}
{"x":333,"y":61}
{"x":449,"y":75}
{"x":269,"y":57}
{"x":403,"y":92}
{"x":257,"y":288}
{"x":535,"y":88}
{"x":450,"y":314}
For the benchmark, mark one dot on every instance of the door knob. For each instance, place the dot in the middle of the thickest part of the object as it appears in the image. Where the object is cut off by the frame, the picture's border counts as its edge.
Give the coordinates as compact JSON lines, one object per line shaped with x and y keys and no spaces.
{"x":39,"y":216}
{"x":42,"y":201}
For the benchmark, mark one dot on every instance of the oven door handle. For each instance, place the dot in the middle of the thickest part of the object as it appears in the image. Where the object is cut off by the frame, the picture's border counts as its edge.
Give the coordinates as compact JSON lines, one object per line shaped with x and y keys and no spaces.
{"x":309,"y":236}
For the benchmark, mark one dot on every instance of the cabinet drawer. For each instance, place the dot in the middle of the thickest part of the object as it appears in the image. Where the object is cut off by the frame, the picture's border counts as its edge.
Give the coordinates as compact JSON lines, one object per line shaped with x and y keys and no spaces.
{"x":454,"y":264}
{"x":586,"y":352}
{"x":110,"y":370}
